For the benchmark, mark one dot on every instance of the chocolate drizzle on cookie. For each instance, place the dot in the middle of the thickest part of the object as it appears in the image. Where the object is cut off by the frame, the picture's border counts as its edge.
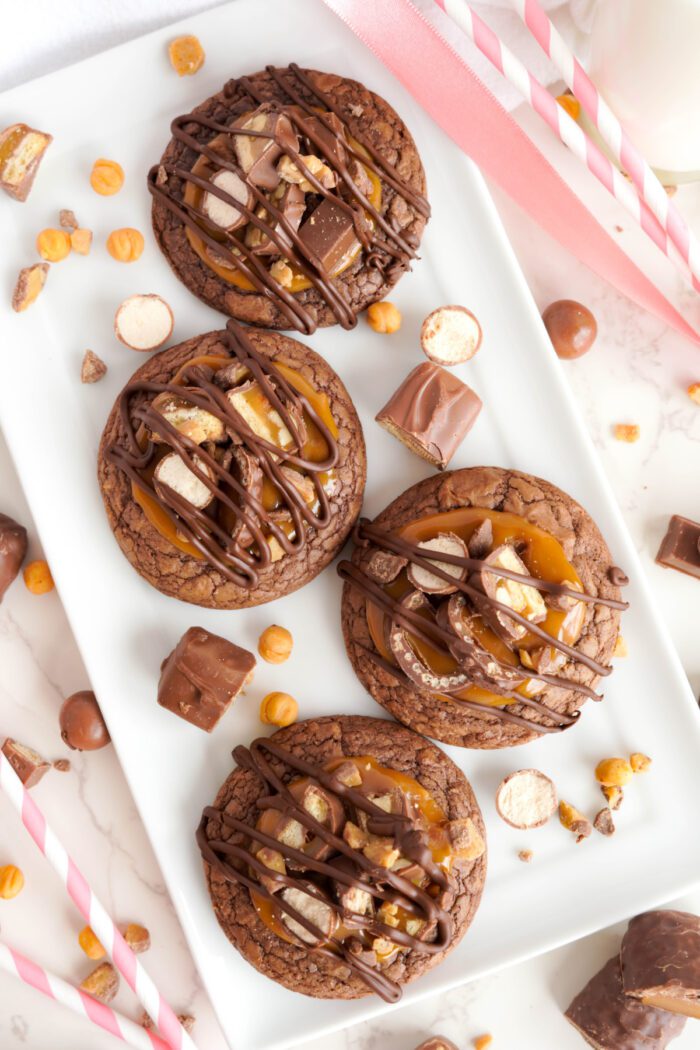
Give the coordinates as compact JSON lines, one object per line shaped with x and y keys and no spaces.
{"x":219,"y":451}
{"x":292,"y":185}
{"x":446,"y":628}
{"x":349,"y":904}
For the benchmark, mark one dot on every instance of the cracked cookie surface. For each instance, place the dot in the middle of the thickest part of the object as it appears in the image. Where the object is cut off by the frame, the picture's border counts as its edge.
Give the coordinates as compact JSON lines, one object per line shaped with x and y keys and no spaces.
{"x":540,"y":503}
{"x":362,"y":283}
{"x":317,"y":741}
{"x":190,"y":579}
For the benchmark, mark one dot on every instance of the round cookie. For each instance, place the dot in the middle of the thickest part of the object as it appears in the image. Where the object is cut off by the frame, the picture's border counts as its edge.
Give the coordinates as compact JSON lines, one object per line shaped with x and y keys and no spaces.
{"x":342,"y":284}
{"x":181,"y":574}
{"x":317,"y":741}
{"x":451,"y":720}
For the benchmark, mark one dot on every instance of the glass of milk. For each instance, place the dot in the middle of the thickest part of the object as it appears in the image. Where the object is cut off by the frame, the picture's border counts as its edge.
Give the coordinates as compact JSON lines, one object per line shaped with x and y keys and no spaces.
{"x":645,"y":60}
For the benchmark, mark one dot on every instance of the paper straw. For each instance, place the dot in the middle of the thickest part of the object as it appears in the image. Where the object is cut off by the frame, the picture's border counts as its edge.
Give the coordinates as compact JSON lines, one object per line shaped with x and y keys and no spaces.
{"x":92,"y":910}
{"x":613,"y":134}
{"x":12,"y":962}
{"x":564,"y":126}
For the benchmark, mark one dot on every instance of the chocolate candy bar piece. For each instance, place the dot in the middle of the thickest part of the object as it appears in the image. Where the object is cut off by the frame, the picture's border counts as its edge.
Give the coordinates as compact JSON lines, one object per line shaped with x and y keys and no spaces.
{"x":202,"y":676}
{"x":609,"y":1020}
{"x":21,"y":151}
{"x":27,"y":763}
{"x":13,"y":548}
{"x":680,"y":547}
{"x":258,"y":154}
{"x":431,"y":413}
{"x":660,"y":960}
{"x":329,"y":234}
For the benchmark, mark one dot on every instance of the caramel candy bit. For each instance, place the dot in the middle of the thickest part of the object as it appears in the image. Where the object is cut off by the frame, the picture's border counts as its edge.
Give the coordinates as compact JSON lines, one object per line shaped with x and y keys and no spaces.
{"x":275,"y":644}
{"x":81,"y":241}
{"x":106,"y":177}
{"x":92,"y":369}
{"x":431,"y":413}
{"x":30,"y":282}
{"x":90,"y":944}
{"x":11,"y":881}
{"x":574,"y":821}
{"x":53,"y":245}
{"x":610,"y":1020}
{"x":137,"y":937}
{"x":660,"y":960}
{"x":483,"y":1041}
{"x":21,"y":151}
{"x":640,"y":762}
{"x":186,"y":55}
{"x":28,"y":764}
{"x":384,"y":318}
{"x":355,"y":837}
{"x":126,"y":244}
{"x":279,"y":709}
{"x":613,"y":795}
{"x":329,"y":235}
{"x":628,"y":432}
{"x":202,"y":676}
{"x":570,"y":104}
{"x":102,"y":983}
{"x":614,"y":772}
{"x":348,"y":774}
{"x":466,"y":840}
{"x":694,"y":392}
{"x":603,"y":822}
{"x":381,"y":851}
{"x":38,"y":578}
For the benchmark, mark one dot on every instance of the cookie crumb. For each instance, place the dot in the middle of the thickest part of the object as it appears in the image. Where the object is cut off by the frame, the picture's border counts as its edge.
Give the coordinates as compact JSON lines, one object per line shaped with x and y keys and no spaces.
{"x":526,"y":855}
{"x":62,"y":765}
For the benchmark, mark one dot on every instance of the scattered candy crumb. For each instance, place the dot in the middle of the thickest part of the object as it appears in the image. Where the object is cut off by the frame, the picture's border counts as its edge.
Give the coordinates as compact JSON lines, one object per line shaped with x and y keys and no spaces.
{"x":570,"y":104}
{"x":11,"y":881}
{"x":106,"y":177}
{"x":186,"y":55}
{"x":384,"y":318}
{"x":628,"y":432}
{"x":38,"y":578}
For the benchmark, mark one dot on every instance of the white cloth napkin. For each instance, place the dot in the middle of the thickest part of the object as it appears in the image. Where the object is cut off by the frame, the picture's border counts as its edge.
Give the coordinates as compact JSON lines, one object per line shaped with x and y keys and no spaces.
{"x":40,"y":36}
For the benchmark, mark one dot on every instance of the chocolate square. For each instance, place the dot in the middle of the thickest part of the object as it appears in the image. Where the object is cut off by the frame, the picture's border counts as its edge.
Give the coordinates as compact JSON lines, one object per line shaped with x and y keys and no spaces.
{"x":202,"y":676}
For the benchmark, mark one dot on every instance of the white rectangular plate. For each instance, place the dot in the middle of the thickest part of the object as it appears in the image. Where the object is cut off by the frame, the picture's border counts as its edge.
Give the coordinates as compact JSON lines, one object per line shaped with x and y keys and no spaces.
{"x":119,"y":105}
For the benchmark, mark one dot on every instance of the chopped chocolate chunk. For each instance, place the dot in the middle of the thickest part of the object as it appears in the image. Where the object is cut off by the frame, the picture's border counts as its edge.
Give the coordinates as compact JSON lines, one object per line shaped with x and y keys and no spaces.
{"x":13,"y":549}
{"x":331,"y":132}
{"x":610,"y":1020}
{"x":603,"y":822}
{"x":202,"y":676}
{"x":481,"y":539}
{"x":384,"y":566}
{"x":660,"y":960}
{"x":680,"y":547}
{"x":292,"y":204}
{"x":28,"y":764}
{"x":431,"y":413}
{"x":92,"y":369}
{"x":329,"y":234}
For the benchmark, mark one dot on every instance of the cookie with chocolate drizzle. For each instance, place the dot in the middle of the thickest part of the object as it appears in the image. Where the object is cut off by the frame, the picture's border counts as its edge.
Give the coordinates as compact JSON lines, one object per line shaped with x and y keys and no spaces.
{"x":344,"y":856}
{"x":290,"y":199}
{"x":482,"y":607}
{"x":232,"y":468}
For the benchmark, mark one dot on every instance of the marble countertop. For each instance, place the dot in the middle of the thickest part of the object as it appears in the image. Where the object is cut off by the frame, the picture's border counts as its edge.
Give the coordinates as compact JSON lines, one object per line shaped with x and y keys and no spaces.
{"x":637,"y":373}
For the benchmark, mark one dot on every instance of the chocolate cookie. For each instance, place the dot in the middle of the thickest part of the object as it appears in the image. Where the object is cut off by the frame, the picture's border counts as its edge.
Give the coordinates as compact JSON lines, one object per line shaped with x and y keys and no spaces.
{"x":344,"y":855}
{"x":481,"y":607}
{"x":232,"y":468}
{"x":290,"y":199}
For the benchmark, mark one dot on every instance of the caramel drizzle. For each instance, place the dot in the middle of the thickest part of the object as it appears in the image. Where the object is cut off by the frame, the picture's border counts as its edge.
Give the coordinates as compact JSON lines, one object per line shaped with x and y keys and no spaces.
{"x":381,"y":883}
{"x":200,"y":528}
{"x":433,"y":633}
{"x":390,"y":254}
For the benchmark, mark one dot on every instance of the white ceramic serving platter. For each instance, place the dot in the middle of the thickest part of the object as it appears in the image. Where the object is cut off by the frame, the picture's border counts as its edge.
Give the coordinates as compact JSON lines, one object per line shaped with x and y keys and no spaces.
{"x":119,"y":105}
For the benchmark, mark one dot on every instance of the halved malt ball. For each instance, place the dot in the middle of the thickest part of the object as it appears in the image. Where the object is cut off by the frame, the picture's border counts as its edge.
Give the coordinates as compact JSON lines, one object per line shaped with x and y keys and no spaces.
{"x":143,"y":322}
{"x":526,"y":799}
{"x":450,"y":335}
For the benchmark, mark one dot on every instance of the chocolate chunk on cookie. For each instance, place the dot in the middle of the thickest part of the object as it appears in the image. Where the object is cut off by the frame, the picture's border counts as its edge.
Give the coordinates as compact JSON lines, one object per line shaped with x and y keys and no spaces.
{"x":232,"y":468}
{"x":493,"y":646}
{"x":323,"y":854}
{"x":290,"y":199}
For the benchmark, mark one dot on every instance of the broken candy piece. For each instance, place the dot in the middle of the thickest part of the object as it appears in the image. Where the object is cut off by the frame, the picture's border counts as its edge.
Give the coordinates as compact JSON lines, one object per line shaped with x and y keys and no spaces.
{"x":13,"y":550}
{"x":30,"y":282}
{"x":202,"y":676}
{"x":431,"y":413}
{"x":258,"y":154}
{"x":21,"y":151}
{"x":28,"y":764}
{"x":660,"y":960}
{"x":329,"y":235}
{"x":610,"y":1020}
{"x":680,"y":547}
{"x":92,"y":369}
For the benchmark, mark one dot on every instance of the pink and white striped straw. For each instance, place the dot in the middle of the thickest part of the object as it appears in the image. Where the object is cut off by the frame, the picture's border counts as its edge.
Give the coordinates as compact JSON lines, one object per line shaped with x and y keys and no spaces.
{"x":134,"y":1035}
{"x":613,"y":134}
{"x":566,"y":128}
{"x":93,"y":911}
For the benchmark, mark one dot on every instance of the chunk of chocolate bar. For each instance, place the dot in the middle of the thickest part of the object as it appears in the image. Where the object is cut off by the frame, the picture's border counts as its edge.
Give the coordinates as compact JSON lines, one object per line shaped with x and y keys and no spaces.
{"x":27,"y":763}
{"x":202,"y":676}
{"x":610,"y":1020}
{"x":21,"y":152}
{"x":258,"y":154}
{"x":431,"y":413}
{"x":680,"y":547}
{"x":292,"y":204}
{"x":330,"y":234}
{"x":13,"y":549}
{"x":660,"y":959}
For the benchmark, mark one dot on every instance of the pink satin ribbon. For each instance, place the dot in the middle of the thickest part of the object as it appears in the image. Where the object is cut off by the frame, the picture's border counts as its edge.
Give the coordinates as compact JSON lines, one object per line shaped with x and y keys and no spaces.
{"x":441,"y":81}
